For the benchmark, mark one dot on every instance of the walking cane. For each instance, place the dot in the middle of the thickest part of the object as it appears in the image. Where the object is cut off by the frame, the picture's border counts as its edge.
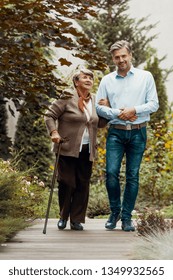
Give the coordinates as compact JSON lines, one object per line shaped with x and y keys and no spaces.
{"x":52,"y":185}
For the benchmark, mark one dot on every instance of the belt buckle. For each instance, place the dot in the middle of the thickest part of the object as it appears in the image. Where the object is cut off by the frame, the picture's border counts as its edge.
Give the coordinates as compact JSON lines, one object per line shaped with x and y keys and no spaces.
{"x":128,"y":126}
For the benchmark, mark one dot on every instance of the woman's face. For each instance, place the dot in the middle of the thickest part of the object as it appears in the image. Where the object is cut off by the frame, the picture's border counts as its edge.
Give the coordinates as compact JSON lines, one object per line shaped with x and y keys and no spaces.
{"x":85,"y":82}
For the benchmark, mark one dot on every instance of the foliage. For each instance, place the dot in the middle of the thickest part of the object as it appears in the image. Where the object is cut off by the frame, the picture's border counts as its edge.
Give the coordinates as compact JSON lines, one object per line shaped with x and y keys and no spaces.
{"x":159,"y":77}
{"x":9,"y":226}
{"x":98,"y":202}
{"x":19,"y":194}
{"x":168,"y":211}
{"x":156,"y":175}
{"x":113,"y":24}
{"x":32,"y":146}
{"x":156,"y":233}
{"x":150,"y":223}
{"x":28,"y":29}
{"x":22,"y":199}
{"x":99,"y":165}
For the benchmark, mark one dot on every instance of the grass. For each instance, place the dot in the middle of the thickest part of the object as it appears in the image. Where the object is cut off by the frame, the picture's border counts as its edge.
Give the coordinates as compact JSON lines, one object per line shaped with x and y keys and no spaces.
{"x":156,"y":246}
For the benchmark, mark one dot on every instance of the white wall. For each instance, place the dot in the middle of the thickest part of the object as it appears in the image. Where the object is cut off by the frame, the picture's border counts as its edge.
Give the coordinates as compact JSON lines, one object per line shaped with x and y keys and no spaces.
{"x":12,"y":121}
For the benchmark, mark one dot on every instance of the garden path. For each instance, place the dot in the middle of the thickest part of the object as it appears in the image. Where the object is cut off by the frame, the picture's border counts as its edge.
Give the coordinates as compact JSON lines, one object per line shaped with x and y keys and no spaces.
{"x":94,"y":243}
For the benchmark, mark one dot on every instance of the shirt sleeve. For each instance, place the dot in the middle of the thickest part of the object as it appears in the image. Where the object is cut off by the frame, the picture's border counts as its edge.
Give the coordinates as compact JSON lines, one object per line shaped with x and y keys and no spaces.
{"x":104,"y":111}
{"x":151,"y":102}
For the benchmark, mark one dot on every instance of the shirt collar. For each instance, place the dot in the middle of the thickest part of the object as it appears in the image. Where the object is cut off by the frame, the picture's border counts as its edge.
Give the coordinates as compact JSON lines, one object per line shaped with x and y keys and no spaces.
{"x":131,"y":71}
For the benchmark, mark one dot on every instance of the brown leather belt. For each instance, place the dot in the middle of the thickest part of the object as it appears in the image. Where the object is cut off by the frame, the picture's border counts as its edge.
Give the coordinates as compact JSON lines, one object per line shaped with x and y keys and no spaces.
{"x":129,"y":126}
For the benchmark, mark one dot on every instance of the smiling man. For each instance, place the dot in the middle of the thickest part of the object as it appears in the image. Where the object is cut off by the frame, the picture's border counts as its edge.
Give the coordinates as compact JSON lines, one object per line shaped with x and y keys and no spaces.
{"x":126,"y":97}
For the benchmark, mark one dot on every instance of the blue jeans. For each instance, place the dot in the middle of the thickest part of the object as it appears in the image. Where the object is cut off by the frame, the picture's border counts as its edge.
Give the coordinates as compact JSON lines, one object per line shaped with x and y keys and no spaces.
{"x":130,"y":143}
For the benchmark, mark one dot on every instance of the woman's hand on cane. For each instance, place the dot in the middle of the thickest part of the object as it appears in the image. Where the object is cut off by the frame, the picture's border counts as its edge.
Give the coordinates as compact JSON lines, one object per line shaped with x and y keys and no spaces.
{"x":56,"y":138}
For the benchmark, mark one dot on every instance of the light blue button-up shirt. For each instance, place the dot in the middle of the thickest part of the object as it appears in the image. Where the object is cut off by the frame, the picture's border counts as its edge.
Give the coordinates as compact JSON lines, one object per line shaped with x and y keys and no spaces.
{"x":137,"y":89}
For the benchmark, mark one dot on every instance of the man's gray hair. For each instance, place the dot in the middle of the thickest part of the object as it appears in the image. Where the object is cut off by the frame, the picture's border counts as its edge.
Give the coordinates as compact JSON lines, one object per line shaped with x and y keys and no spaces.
{"x":119,"y":45}
{"x":84,"y":71}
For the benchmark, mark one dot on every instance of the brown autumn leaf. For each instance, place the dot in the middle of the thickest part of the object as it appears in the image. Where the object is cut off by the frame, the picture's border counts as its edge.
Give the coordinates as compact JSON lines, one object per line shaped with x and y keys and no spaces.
{"x":64,"y":61}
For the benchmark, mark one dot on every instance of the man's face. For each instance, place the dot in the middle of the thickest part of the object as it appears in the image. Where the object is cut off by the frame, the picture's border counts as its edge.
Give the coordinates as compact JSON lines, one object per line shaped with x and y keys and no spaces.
{"x":122,"y":59}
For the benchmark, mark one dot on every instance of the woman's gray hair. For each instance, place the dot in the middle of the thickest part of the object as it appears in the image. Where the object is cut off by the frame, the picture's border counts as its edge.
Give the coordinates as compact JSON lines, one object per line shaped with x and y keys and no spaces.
{"x":119,"y":45}
{"x":84,"y":71}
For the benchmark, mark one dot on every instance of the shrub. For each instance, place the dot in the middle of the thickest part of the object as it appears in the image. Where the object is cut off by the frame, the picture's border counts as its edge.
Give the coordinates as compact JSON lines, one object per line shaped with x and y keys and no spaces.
{"x":150,"y":223}
{"x":155,"y":237}
{"x":156,"y":173}
{"x":22,"y":199}
{"x":98,"y":202}
{"x":20,"y":194}
{"x":9,"y":226}
{"x":32,"y":146}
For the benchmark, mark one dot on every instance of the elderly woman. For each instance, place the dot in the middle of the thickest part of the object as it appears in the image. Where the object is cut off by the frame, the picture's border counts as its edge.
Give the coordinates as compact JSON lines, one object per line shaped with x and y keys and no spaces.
{"x":76,"y":119}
